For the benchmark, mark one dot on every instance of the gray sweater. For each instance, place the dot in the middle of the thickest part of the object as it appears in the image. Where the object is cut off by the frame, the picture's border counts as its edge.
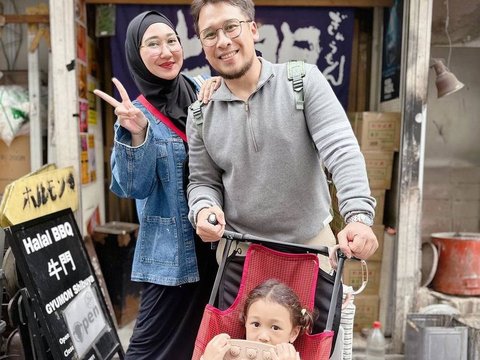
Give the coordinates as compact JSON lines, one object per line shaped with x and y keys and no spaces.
{"x":257,"y":161}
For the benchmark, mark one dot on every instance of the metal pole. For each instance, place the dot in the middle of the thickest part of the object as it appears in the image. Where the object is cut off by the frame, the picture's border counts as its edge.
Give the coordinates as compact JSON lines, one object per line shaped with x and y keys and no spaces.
{"x":415,"y":67}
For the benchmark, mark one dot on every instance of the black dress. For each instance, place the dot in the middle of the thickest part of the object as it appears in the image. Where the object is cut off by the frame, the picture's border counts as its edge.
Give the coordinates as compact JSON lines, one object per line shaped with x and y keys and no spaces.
{"x":169,"y":318}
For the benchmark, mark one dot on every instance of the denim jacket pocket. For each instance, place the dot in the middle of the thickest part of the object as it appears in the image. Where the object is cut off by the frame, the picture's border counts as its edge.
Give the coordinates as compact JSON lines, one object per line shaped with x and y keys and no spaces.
{"x":163,"y":171}
{"x":159,"y":241}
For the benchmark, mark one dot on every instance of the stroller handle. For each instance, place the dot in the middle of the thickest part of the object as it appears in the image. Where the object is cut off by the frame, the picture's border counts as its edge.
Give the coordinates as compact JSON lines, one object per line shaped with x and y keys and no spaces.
{"x":232,"y":235}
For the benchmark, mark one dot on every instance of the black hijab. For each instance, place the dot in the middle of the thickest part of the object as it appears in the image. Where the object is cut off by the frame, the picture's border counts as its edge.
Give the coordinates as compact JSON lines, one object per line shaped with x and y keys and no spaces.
{"x":170,"y":97}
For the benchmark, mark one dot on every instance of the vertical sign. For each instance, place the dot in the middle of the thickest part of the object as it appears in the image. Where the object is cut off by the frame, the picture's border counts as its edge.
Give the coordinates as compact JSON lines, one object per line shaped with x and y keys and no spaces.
{"x":392,"y":51}
{"x":64,"y":290}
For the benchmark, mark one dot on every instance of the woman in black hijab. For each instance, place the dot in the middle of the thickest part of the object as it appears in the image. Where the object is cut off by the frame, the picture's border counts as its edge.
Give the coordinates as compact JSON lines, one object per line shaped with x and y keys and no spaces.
{"x":147,"y":161}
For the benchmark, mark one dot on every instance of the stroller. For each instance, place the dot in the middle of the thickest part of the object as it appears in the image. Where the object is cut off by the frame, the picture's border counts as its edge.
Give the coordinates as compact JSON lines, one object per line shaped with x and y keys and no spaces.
{"x":295,"y":265}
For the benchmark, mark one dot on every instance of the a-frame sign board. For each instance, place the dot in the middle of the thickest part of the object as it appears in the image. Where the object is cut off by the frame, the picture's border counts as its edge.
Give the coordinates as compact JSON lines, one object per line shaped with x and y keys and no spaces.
{"x":66,"y":304}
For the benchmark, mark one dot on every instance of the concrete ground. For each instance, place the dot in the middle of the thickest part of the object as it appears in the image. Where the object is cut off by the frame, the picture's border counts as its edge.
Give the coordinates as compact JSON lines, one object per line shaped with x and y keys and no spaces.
{"x":359,"y":346}
{"x":124,"y":334}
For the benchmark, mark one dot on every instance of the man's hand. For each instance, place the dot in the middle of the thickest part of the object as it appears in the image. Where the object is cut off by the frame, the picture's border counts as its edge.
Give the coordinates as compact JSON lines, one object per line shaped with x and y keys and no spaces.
{"x":206,"y":230}
{"x":358,"y":240}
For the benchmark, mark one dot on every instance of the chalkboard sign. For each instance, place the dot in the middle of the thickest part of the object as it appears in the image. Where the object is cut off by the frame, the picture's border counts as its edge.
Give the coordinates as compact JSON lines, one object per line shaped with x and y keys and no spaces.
{"x":63,"y":289}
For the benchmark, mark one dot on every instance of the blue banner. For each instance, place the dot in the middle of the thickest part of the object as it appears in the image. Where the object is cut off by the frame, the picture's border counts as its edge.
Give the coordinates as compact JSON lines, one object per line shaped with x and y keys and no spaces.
{"x":318,"y":35}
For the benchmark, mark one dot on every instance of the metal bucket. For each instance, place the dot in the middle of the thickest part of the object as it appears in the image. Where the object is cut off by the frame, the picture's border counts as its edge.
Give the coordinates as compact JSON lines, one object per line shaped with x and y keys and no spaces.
{"x":458,"y":270}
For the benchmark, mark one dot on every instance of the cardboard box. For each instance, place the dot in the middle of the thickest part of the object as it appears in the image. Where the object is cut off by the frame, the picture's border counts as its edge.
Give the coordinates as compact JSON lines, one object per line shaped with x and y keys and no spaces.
{"x":379,"y":168}
{"x":377,"y":130}
{"x":378,"y":194}
{"x":379,"y":231}
{"x":353,"y":276}
{"x":337,"y":223}
{"x":366,"y":311}
{"x":14,"y":160}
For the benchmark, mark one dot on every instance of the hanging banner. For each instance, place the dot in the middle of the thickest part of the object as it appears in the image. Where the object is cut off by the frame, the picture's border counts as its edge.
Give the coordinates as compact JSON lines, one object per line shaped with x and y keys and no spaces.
{"x":392,"y":51}
{"x":317,"y":35}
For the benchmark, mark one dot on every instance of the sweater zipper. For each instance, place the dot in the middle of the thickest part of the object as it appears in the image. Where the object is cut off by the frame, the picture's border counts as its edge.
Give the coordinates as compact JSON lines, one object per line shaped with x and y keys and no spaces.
{"x":250,"y":127}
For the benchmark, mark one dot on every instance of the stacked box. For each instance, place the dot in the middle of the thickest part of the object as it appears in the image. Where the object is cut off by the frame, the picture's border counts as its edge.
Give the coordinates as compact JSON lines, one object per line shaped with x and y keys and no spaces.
{"x":377,"y":131}
{"x":353,"y":276}
{"x":379,"y":231}
{"x":379,"y":168}
{"x":379,"y":195}
{"x":338,"y":223}
{"x":14,"y":160}
{"x":378,"y":134}
{"x":366,"y":311}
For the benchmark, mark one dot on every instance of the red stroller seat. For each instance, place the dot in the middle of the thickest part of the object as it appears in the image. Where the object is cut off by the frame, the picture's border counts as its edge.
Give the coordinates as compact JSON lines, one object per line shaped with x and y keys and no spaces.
{"x":299,"y":271}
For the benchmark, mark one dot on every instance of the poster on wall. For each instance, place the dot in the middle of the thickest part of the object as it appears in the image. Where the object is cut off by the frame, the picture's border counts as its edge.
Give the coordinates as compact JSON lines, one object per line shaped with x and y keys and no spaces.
{"x":92,"y":164}
{"x":84,"y":166}
{"x":81,"y":42}
{"x":392,"y":51}
{"x":83,"y":116}
{"x":80,"y":11}
{"x":92,"y":100}
{"x":82,"y":80}
{"x":317,"y":35}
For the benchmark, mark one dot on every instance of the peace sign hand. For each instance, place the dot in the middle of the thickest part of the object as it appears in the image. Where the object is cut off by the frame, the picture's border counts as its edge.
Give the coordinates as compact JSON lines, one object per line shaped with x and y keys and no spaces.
{"x":130,"y":117}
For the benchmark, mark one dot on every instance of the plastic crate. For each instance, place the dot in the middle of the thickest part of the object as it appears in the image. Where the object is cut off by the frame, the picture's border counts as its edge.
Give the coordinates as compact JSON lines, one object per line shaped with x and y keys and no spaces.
{"x":435,"y":337}
{"x":472,"y":321}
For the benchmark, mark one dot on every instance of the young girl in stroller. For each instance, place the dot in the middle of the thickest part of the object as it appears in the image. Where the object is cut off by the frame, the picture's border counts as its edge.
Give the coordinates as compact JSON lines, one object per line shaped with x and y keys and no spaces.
{"x":272,"y":314}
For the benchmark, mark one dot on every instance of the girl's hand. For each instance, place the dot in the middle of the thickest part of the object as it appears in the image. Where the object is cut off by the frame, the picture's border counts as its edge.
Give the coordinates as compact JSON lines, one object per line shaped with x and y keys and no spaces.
{"x":208,"y":88}
{"x":217,"y":347}
{"x":130,"y":117}
{"x":286,"y":351}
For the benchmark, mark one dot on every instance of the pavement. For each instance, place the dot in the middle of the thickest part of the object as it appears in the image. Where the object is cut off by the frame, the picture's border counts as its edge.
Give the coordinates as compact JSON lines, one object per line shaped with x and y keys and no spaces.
{"x":124,"y":334}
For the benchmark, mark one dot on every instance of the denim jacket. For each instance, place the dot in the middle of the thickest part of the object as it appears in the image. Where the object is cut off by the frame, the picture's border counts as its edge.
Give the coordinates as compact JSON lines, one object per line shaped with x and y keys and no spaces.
{"x":152,"y":173}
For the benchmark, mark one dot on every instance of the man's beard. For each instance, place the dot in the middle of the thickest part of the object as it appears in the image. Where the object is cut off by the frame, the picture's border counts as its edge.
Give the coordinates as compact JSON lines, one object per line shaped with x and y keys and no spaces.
{"x":239,"y":73}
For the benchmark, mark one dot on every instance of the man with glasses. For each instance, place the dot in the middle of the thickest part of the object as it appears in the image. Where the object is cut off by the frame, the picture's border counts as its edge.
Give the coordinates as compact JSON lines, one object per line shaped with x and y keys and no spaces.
{"x":256,"y":161}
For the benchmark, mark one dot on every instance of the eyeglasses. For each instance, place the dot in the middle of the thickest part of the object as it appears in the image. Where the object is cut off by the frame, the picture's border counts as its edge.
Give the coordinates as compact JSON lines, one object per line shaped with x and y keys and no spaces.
{"x":156,"y":46}
{"x":231,"y":28}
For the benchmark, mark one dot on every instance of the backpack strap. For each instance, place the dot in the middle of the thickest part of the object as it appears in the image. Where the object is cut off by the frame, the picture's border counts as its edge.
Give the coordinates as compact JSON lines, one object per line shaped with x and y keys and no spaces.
{"x":295,"y":73}
{"x":196,"y":108}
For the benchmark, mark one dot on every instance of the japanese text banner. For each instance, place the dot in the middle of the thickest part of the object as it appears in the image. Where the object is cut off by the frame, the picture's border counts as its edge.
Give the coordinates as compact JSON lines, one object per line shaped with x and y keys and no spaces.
{"x":318,"y":35}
